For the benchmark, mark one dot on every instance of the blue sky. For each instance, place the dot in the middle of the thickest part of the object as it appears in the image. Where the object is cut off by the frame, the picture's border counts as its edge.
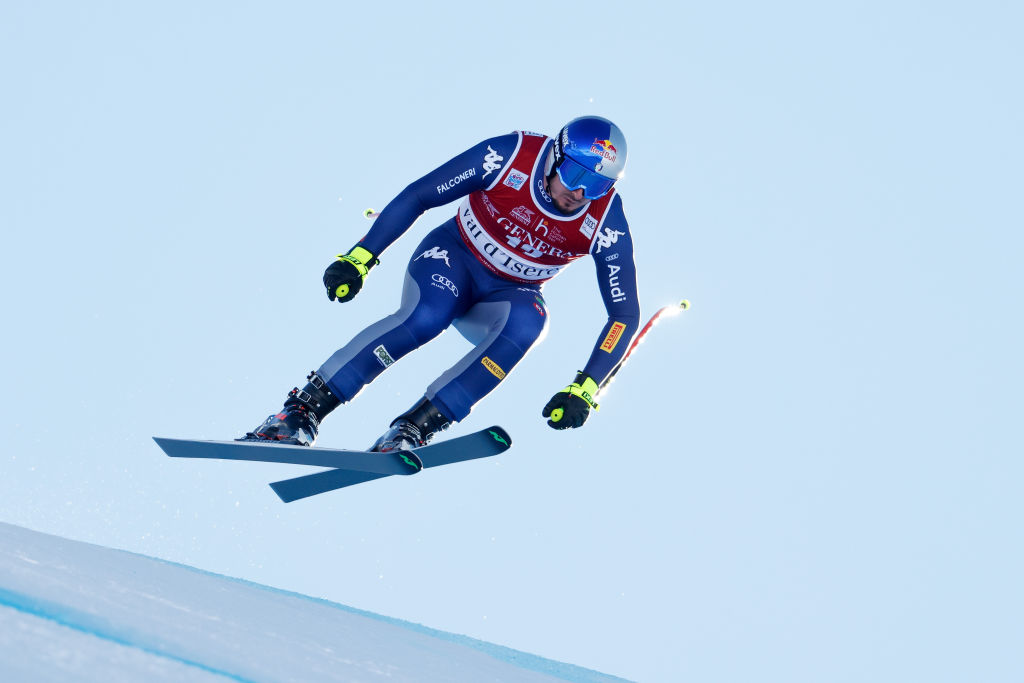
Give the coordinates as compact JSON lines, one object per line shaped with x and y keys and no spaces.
{"x":811,"y":475}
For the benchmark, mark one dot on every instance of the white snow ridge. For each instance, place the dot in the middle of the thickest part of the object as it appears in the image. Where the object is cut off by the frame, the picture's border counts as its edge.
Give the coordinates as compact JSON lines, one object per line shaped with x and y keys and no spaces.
{"x":71,"y":611}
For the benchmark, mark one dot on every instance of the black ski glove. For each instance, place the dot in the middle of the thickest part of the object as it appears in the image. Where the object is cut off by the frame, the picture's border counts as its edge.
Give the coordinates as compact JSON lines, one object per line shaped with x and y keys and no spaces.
{"x":570,"y":407}
{"x":344,"y":278}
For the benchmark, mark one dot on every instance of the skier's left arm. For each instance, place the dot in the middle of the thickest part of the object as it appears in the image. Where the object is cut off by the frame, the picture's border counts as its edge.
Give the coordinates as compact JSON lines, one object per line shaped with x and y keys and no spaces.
{"x":612,"y":250}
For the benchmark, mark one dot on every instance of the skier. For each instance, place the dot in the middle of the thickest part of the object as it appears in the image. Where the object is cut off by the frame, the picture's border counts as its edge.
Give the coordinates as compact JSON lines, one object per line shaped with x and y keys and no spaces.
{"x":530,"y":205}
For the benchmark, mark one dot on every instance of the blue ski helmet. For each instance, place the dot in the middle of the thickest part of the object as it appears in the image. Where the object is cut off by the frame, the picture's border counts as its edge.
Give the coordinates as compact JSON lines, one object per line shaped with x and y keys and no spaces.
{"x":589,"y":152}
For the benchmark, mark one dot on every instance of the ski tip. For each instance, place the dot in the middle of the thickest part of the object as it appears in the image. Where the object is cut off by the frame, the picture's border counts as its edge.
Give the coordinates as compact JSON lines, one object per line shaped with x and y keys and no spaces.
{"x":411,"y":460}
{"x":282,"y":491}
{"x":500,"y":435}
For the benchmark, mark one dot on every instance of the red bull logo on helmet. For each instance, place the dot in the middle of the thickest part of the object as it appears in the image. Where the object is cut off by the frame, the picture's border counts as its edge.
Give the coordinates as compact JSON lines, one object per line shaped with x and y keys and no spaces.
{"x":605,"y":148}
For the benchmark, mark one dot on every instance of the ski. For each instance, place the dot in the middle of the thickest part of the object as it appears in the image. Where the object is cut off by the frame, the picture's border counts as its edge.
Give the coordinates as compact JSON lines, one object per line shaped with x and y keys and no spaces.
{"x":481,"y":444}
{"x":379,"y":464}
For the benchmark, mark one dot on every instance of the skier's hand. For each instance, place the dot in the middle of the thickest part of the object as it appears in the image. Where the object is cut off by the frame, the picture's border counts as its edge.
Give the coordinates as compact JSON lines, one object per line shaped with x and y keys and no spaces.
{"x":344,"y":278}
{"x":570,"y":407}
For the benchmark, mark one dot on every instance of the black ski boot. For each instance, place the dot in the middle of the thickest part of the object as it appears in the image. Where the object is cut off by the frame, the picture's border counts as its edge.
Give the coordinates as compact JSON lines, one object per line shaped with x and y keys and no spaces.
{"x":412,"y":429}
{"x":299,"y":420}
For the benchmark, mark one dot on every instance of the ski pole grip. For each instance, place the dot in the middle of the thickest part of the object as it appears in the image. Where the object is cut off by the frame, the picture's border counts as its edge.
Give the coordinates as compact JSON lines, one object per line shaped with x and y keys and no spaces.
{"x":556,"y":414}
{"x":341,"y":292}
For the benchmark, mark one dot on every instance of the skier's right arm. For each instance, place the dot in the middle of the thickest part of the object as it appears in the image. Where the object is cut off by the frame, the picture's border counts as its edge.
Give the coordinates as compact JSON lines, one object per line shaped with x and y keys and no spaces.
{"x":478,"y":168}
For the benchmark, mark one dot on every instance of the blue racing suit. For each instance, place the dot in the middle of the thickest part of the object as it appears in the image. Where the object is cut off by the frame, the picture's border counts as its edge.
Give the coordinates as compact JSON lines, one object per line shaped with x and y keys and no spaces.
{"x":484,"y":269}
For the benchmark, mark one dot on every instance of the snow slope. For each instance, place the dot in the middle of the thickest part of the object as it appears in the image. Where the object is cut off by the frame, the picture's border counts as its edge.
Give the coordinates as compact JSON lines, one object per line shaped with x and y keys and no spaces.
{"x":75,"y":611}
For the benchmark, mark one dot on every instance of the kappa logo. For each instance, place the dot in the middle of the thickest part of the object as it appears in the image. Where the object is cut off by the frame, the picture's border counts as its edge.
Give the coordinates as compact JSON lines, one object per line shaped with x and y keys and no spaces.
{"x":607,"y":238}
{"x":441,"y":282}
{"x":516,"y":179}
{"x":491,"y":161}
{"x":435,"y":253}
{"x":383,"y":356}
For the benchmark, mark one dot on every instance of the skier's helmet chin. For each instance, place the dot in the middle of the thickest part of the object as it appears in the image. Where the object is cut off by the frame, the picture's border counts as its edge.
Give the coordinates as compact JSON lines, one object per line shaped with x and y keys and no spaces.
{"x":589,"y":152}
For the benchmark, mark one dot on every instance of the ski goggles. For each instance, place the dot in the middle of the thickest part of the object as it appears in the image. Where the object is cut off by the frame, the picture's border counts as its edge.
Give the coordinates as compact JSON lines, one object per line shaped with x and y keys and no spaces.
{"x":575,"y":175}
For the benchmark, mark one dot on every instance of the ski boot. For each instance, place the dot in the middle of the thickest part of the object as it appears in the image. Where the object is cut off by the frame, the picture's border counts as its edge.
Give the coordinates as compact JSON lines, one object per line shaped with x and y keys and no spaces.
{"x":412,"y":429}
{"x":298,"y":422}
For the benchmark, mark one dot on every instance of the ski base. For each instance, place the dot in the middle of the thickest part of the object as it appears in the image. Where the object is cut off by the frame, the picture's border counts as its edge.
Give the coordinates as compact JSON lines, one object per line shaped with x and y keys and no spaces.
{"x":348,"y":467}
{"x":395,"y":462}
{"x":482,"y":444}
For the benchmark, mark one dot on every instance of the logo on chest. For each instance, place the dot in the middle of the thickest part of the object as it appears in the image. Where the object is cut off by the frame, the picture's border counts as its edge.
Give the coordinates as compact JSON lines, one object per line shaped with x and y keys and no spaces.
{"x":533,"y":242}
{"x":589,"y":224}
{"x":523,"y":215}
{"x":516,"y":179}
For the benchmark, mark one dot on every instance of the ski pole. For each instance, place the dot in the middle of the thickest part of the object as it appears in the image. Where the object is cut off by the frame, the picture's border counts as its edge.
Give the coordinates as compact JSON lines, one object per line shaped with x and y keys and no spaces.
{"x":674,"y":309}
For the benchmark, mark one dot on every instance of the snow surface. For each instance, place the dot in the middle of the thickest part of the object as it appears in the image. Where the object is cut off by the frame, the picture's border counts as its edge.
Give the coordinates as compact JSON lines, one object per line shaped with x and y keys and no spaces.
{"x":71,"y":611}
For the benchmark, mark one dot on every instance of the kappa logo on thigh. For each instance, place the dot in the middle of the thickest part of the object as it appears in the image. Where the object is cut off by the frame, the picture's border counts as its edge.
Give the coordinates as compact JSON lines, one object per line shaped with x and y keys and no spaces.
{"x":435,"y":253}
